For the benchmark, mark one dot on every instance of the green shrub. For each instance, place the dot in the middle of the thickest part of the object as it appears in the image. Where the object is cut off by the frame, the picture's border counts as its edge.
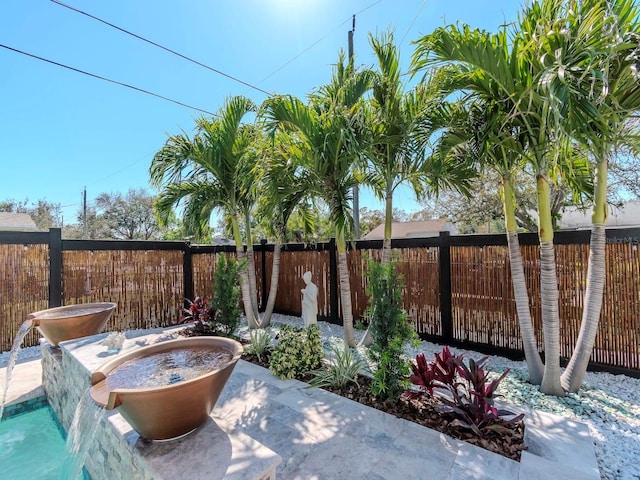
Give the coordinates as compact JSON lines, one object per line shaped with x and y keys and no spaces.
{"x":343,"y":369}
{"x":260,"y":344}
{"x":390,"y":329}
{"x":298,"y":351}
{"x":226,"y":296}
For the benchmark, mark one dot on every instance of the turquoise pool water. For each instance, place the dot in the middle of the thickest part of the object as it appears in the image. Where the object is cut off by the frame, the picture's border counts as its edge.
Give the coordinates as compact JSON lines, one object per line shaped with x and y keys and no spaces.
{"x":31,"y":446}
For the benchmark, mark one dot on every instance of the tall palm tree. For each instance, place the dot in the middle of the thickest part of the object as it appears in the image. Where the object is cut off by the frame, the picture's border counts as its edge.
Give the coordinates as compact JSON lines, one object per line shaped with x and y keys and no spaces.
{"x":284,"y":188}
{"x":492,"y":67}
{"x":204,"y":172}
{"x":328,"y":129}
{"x":598,"y":94}
{"x":393,"y":117}
{"x":479,"y":132}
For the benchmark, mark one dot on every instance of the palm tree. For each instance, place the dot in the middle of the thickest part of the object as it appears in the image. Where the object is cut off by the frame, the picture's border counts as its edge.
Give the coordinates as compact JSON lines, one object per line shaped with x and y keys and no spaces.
{"x":493,"y":69}
{"x":479,"y":132}
{"x":284,"y":187}
{"x":544,"y":79}
{"x":598,"y":93}
{"x":328,"y":131}
{"x":205,"y":173}
{"x":393,"y":117}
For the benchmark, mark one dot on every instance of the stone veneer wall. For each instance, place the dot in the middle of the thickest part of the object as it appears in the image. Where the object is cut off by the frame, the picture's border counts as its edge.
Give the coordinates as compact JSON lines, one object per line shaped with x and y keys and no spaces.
{"x":117,"y":451}
{"x":65,"y":382}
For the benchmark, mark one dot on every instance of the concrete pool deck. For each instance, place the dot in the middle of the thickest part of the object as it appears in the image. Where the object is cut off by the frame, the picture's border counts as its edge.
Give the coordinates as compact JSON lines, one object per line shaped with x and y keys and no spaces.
{"x":320,"y":435}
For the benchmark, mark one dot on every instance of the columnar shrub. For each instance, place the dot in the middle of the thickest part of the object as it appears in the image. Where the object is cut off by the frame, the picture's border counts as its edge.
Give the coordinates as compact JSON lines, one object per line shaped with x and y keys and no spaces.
{"x":391,"y":330}
{"x":226,"y":295}
{"x":298,"y":351}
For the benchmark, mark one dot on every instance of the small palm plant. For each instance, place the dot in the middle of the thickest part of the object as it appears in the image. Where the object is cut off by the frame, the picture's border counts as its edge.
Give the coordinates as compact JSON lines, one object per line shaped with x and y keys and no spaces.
{"x":342,"y":370}
{"x":261,"y":344}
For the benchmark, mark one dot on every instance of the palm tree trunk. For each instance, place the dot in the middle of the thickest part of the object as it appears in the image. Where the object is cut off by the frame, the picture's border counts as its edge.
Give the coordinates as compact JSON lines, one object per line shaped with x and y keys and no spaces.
{"x":345,"y":290}
{"x":529,"y":343}
{"x":574,"y":373}
{"x":273,"y":286}
{"x":388,"y":219}
{"x":252,"y":321}
{"x":251,"y":268}
{"x":549,"y":294}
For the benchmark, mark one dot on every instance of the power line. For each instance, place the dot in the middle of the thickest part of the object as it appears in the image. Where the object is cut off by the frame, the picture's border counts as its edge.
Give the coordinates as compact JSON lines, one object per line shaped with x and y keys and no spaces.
{"x":132,"y":87}
{"x":413,"y":21}
{"x":313,"y":44}
{"x":139,"y":37}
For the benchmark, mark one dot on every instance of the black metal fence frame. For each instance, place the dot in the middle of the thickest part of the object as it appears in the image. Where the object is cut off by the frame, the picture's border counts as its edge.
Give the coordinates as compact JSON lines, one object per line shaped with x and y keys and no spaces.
{"x":444,"y":241}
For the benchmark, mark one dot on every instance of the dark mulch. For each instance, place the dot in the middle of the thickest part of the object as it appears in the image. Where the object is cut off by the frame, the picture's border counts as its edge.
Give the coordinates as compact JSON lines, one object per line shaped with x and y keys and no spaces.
{"x":424,"y":410}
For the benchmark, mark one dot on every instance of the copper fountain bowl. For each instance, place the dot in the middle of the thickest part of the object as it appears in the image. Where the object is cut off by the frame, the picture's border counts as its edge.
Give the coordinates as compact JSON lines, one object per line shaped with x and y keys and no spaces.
{"x":168,"y":411}
{"x":72,"y":321}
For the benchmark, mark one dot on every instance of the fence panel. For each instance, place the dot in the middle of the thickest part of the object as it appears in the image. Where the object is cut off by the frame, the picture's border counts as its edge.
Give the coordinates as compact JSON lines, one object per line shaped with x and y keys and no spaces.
{"x":24,"y":288}
{"x":147,"y":285}
{"x":293,"y":264}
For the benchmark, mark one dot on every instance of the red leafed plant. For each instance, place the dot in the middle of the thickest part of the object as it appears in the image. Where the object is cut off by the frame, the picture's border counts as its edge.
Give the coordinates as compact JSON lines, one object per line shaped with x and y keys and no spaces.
{"x":199,"y":312}
{"x":470,"y":397}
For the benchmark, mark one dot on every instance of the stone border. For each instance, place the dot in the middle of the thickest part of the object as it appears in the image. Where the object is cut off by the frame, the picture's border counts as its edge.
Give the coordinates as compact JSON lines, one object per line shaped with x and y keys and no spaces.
{"x":213,"y":451}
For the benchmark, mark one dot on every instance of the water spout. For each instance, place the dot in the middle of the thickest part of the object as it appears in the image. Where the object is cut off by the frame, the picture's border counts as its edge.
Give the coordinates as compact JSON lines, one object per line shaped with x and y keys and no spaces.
{"x":13,"y":357}
{"x":86,"y":418}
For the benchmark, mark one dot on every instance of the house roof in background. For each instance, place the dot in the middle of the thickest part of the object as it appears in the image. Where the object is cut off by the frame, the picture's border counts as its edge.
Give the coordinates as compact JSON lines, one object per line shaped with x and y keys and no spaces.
{"x":425,"y":228}
{"x":627,"y":215}
{"x":19,"y":222}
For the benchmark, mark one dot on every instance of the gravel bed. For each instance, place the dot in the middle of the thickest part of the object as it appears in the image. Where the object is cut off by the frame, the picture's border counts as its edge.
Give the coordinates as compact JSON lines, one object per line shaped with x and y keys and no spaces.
{"x":607,"y":403}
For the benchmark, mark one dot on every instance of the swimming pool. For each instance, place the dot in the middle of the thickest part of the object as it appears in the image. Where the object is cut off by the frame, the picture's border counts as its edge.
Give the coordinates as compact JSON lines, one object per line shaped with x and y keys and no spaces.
{"x":31,"y":446}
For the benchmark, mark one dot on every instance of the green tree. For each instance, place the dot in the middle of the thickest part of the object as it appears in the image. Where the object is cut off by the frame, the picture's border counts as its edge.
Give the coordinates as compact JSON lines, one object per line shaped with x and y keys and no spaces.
{"x":206,"y":173}
{"x":129,"y":216}
{"x":45,"y":214}
{"x":283,"y":187}
{"x":328,"y":133}
{"x":595,"y":86}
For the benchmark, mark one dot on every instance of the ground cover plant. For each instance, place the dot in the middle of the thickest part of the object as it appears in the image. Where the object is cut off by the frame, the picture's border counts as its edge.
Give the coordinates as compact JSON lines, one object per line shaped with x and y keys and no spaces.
{"x":471,"y":417}
{"x":299,"y":351}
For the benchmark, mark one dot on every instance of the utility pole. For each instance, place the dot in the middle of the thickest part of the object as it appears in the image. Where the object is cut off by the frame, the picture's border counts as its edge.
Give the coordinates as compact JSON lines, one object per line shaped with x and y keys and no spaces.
{"x":84,"y":213}
{"x":356,"y":189}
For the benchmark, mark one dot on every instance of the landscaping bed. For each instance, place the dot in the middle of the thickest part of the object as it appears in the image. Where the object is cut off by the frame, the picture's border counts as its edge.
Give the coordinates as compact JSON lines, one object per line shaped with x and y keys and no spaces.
{"x":424,"y":410}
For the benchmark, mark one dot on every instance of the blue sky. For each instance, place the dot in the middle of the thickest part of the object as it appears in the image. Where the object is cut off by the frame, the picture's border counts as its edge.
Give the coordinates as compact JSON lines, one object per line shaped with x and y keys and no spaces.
{"x":61,"y":131}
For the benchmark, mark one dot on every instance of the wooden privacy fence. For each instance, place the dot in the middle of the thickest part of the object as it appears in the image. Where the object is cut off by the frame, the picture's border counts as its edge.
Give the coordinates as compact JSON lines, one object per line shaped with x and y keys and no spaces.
{"x":457,"y":288}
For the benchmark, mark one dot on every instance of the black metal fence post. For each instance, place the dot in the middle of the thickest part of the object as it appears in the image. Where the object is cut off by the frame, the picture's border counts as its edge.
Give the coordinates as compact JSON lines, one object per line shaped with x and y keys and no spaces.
{"x":333,"y":284}
{"x":55,"y":267}
{"x":187,"y":272}
{"x":445,"y":287}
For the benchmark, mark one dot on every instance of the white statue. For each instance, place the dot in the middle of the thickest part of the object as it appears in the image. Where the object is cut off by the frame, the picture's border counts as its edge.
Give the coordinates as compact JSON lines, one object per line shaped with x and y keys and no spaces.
{"x":309,"y":301}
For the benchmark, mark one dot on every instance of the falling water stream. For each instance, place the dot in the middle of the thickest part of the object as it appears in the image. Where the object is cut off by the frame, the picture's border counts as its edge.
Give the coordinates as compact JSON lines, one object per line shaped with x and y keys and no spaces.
{"x":82,"y":431}
{"x":13,"y":357}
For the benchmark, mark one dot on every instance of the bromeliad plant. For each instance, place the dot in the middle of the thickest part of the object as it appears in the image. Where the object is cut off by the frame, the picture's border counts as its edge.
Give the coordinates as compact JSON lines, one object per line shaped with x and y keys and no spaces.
{"x":342,"y":370}
{"x":471,"y":394}
{"x":260,"y":343}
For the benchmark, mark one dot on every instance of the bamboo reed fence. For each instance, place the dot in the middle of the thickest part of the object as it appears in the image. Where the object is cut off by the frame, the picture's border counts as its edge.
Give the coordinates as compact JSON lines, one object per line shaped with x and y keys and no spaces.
{"x":24,"y":285}
{"x":457,"y":289}
{"x":147,"y":285}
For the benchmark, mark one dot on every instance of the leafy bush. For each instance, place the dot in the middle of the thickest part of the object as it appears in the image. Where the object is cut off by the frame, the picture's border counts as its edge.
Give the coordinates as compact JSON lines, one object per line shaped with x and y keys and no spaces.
{"x":342,"y":370}
{"x":260,"y":345}
{"x":198,"y":313}
{"x":390,"y":329}
{"x":226,"y":296}
{"x":298,"y":351}
{"x":471,"y":394}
